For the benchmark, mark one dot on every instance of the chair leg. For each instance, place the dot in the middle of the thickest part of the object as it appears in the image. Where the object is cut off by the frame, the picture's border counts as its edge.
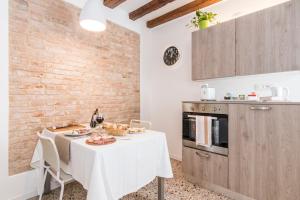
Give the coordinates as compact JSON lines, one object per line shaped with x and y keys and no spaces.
{"x":43,"y":184}
{"x":62,"y":186}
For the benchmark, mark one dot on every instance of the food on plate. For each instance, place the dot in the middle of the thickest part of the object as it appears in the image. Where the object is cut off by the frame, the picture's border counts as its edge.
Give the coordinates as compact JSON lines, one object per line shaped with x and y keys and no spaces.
{"x":101,"y":140}
{"x":83,"y":131}
{"x":115,"y":126}
{"x":116,"y":129}
{"x":77,"y":133}
{"x":69,"y":127}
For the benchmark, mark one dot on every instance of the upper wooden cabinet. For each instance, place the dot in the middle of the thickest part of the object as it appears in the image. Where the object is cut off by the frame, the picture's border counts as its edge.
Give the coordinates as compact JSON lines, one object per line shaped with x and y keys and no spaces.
{"x":297,"y":31}
{"x":265,"y":41}
{"x":213,"y":52}
{"x":264,"y":162}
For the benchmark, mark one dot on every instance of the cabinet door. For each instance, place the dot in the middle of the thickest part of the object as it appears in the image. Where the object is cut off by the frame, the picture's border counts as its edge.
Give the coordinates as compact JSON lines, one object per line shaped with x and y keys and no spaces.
{"x":213,"y":52}
{"x":264,"y":162}
{"x":296,"y":36}
{"x":265,"y":41}
{"x":205,"y":167}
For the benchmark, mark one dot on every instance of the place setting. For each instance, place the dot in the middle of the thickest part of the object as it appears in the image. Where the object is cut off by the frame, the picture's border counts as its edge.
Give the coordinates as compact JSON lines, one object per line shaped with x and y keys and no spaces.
{"x":98,"y":132}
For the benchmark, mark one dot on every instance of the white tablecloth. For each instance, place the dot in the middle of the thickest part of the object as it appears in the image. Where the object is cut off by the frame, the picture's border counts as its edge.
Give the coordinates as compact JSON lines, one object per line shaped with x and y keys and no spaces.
{"x":112,"y":171}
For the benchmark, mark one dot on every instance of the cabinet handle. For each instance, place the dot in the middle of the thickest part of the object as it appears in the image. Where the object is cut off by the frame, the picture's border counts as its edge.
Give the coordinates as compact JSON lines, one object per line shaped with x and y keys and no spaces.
{"x":202,"y":155}
{"x":260,"y":108}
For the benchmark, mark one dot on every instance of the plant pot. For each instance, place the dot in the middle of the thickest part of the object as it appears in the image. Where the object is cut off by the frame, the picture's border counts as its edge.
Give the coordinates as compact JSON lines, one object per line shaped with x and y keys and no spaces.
{"x":203,"y":24}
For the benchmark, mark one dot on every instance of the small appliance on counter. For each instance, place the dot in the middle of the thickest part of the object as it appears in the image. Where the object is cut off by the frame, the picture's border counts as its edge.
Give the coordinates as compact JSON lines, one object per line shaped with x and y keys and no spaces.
{"x":207,"y":94}
{"x":263,"y":92}
{"x":252,"y":96}
{"x":280,"y":93}
{"x":271,"y":93}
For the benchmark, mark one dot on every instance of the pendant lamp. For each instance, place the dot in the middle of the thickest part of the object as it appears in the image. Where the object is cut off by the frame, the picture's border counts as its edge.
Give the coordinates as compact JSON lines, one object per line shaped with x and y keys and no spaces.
{"x":92,"y":16}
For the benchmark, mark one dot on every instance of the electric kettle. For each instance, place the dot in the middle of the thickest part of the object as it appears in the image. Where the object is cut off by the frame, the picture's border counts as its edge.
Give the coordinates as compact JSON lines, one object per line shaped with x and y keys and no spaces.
{"x":280,"y":93}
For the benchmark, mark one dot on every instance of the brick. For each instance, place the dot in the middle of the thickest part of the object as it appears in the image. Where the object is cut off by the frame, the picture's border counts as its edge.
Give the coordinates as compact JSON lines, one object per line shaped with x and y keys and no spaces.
{"x":60,"y":73}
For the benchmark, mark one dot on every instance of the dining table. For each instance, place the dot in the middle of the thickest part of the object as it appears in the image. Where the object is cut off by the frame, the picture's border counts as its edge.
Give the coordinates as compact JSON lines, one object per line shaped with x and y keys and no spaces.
{"x":109,"y":172}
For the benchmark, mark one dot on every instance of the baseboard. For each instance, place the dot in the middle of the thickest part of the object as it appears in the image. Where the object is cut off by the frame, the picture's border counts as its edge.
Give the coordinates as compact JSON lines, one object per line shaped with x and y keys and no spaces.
{"x":29,"y":195}
{"x":216,"y":188}
{"x":26,"y":196}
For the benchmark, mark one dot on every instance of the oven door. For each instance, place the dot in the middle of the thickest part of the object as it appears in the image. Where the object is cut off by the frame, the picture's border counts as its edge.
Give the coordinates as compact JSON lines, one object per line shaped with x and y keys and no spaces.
{"x":219,"y":132}
{"x":188,"y":127}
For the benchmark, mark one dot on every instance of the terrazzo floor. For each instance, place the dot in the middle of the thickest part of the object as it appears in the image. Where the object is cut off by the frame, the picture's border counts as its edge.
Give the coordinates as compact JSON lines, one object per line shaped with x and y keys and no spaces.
{"x":175,"y":189}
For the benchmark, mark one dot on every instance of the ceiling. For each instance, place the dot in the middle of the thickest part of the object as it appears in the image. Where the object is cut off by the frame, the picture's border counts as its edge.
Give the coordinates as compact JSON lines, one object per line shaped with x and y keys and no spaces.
{"x":226,"y":9}
{"x":131,"y":5}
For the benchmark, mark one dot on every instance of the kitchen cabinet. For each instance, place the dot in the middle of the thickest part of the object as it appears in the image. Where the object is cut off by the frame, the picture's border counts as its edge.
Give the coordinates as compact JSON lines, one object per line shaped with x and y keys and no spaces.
{"x":213,"y":52}
{"x":264,"y":140}
{"x":296,"y":6}
{"x":268,"y":41}
{"x":202,"y":167}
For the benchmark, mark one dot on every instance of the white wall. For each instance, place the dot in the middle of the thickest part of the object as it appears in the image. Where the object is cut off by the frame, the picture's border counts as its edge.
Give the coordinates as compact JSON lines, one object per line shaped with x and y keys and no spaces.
{"x":164,"y":88}
{"x":23,"y":186}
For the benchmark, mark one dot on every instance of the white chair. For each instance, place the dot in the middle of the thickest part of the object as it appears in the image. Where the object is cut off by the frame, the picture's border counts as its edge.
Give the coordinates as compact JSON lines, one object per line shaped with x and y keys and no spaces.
{"x":50,"y":155}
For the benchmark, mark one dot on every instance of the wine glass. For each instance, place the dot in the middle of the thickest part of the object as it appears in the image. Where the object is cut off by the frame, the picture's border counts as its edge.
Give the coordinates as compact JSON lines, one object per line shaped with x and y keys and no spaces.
{"x":100,"y":118}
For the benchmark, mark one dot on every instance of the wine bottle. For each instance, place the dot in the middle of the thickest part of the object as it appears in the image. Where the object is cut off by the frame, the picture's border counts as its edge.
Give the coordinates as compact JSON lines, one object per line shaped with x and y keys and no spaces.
{"x":93,"y":122}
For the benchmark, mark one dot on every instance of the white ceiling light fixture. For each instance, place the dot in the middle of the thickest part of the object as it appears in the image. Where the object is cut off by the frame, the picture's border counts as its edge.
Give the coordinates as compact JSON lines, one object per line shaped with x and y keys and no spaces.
{"x":92,"y":16}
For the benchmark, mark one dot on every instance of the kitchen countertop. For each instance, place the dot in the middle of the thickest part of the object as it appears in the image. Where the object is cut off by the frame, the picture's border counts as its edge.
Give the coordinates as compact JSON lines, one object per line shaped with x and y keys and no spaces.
{"x":247,"y":102}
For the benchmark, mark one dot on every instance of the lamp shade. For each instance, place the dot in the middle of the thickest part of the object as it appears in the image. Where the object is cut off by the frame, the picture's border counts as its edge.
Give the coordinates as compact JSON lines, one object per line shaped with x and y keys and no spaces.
{"x":92,"y":16}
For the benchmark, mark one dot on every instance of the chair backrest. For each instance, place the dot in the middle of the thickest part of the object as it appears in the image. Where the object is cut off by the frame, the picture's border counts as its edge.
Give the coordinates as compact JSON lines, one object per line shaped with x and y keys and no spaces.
{"x":50,"y":153}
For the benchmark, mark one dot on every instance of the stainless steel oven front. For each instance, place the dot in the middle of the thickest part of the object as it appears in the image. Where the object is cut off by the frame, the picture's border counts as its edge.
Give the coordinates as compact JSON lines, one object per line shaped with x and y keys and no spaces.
{"x":219,"y":129}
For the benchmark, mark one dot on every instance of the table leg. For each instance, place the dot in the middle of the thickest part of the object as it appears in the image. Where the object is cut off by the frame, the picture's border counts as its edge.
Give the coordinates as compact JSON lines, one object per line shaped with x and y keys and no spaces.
{"x":161,"y":188}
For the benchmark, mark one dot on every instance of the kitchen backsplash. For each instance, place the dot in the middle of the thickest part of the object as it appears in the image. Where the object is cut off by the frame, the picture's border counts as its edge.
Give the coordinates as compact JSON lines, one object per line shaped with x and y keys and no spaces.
{"x":59,"y":73}
{"x":246,"y":84}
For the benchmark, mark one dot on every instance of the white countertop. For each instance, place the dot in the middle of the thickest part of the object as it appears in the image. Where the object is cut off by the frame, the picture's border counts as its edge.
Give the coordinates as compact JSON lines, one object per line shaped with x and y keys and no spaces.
{"x":246,"y":102}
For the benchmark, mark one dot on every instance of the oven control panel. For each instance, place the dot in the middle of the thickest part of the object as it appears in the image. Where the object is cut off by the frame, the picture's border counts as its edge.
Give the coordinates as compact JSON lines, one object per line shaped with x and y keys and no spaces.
{"x":208,"y":108}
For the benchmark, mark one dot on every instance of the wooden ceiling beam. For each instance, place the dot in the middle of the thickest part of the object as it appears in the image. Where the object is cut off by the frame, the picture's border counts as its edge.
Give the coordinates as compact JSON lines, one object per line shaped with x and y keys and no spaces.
{"x":181,"y":11}
{"x":112,"y":3}
{"x":148,"y":8}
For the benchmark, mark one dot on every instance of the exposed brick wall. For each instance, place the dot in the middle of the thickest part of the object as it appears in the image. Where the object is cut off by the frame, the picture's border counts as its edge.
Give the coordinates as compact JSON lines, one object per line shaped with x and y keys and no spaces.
{"x":60,"y":73}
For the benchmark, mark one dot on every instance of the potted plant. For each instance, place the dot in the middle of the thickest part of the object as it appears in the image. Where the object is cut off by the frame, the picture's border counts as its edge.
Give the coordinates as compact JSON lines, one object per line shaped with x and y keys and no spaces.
{"x":202,"y":19}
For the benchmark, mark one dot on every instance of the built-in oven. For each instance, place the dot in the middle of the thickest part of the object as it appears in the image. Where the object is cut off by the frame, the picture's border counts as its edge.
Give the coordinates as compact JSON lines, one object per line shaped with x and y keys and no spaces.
{"x":218,"y":131}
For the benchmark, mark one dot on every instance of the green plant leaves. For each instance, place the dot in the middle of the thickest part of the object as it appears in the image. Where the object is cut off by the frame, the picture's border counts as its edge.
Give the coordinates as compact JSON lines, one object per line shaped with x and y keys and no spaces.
{"x":200,"y":16}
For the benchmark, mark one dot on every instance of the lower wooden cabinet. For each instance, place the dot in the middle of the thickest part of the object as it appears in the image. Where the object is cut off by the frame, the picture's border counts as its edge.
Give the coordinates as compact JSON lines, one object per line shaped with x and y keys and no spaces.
{"x":203,"y":167}
{"x":264,"y":157}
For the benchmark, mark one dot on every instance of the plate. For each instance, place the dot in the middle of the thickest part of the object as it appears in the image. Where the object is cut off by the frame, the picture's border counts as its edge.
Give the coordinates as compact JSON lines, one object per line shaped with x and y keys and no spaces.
{"x":76,"y":134}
